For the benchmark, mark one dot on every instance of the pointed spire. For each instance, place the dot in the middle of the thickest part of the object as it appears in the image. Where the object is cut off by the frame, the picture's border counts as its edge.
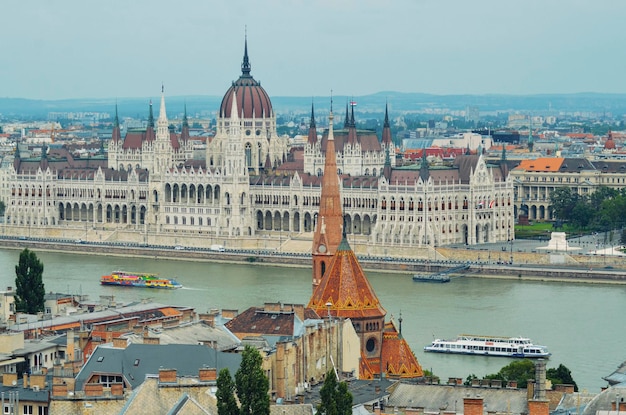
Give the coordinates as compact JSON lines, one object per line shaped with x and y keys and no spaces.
{"x":116,"y":135}
{"x":327,"y":234}
{"x":386,"y":129}
{"x":162,"y":113}
{"x":346,"y":122}
{"x":185,"y":120}
{"x":503,"y":156}
{"x":312,"y":138}
{"x":386,"y":123}
{"x":312,"y":123}
{"x":234,"y":117}
{"x":116,"y":122}
{"x":245,"y":66}
{"x":184,"y":134}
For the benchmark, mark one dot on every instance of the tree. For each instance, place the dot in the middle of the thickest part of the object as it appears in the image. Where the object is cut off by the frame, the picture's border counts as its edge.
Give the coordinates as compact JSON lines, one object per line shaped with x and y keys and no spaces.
{"x":524,"y":370}
{"x":252,"y":385}
{"x":29,"y":289}
{"x":519,"y":371}
{"x":563,"y":201}
{"x":225,"y":394}
{"x":336,"y":399}
{"x":561,"y":375}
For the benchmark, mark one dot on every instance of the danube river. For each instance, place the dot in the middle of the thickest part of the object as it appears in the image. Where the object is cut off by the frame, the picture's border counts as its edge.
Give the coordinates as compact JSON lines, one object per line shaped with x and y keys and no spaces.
{"x":579,"y":323}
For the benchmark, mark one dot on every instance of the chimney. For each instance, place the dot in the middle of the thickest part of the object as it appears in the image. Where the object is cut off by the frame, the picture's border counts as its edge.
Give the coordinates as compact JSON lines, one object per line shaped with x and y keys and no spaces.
{"x":473,"y":406}
{"x":120,"y":342}
{"x":9,"y":379}
{"x":540,"y":380}
{"x":38,"y":380}
{"x":25,"y":380}
{"x":151,"y":340}
{"x":207,"y":374}
{"x":167,"y":375}
{"x":69,"y":352}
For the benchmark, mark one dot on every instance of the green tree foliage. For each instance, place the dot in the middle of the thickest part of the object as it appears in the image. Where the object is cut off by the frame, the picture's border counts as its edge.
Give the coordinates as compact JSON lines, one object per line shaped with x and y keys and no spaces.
{"x":336,"y":399}
{"x":561,"y":375}
{"x":601,"y":211}
{"x":225,"y":394}
{"x":622,"y":239}
{"x":563,"y":200}
{"x":252,"y":385}
{"x":29,"y":288}
{"x":522,"y":371}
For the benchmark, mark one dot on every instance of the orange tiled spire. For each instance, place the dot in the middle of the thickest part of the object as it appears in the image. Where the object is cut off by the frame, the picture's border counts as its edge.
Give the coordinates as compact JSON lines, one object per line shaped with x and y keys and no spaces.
{"x":346,"y":289}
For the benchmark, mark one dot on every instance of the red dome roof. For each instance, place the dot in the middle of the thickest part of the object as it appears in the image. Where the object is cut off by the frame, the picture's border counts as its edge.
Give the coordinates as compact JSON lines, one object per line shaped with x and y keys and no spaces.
{"x":252,"y":99}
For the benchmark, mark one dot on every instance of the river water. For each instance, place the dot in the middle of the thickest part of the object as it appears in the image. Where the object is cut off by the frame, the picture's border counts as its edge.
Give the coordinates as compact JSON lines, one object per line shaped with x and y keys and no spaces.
{"x":580,"y":323}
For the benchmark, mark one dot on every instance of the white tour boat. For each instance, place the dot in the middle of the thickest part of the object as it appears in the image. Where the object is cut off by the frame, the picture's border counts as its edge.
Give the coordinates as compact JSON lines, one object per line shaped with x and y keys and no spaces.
{"x":489,"y":346}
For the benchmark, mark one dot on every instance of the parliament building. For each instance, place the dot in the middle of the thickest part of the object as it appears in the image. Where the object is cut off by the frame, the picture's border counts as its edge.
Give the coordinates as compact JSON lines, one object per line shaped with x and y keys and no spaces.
{"x":248,"y":190}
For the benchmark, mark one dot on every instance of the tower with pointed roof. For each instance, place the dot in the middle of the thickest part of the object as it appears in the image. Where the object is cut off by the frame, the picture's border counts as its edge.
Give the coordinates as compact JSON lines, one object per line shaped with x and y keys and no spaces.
{"x":328,"y":228}
{"x":360,"y":152}
{"x":312,"y":136}
{"x":162,"y":144}
{"x":253,"y":110}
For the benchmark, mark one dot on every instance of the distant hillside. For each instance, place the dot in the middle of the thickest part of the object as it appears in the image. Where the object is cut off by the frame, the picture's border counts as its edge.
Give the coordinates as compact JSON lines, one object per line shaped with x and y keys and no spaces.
{"x":398,"y":102}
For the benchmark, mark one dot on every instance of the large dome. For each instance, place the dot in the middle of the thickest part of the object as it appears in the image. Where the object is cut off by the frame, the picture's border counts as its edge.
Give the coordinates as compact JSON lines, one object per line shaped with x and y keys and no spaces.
{"x":252,"y":100}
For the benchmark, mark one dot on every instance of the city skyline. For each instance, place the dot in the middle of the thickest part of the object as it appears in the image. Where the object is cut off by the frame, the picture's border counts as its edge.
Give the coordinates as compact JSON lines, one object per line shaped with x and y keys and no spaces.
{"x":298,"y":48}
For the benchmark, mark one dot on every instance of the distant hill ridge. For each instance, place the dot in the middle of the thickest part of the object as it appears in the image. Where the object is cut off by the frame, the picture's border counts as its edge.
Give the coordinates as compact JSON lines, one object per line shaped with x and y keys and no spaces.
{"x":398,"y":102}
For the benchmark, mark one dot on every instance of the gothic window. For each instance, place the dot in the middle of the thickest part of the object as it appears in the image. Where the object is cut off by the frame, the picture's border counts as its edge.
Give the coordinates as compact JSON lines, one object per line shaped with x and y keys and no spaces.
{"x":248,"y":154}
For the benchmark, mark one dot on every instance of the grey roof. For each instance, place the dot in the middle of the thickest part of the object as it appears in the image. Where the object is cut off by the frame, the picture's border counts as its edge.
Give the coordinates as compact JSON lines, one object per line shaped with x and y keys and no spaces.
{"x":138,"y":360}
{"x":363,"y":391}
{"x":434,"y":398}
{"x":195,"y":333}
{"x":27,"y":394}
{"x":88,"y":318}
{"x":602,"y":401}
{"x":619,"y":376}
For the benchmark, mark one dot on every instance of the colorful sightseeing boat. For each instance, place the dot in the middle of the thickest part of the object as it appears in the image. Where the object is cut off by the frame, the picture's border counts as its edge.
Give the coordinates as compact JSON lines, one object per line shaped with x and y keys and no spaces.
{"x":138,"y":279}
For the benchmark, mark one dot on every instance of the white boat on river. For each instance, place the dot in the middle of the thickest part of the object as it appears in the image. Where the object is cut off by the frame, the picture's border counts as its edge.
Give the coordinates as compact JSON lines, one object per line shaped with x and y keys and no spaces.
{"x":489,"y":346}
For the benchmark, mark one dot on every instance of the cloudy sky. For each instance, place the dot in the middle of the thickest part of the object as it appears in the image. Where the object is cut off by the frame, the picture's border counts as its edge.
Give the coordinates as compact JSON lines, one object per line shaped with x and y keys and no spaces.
{"x":127,"y":48}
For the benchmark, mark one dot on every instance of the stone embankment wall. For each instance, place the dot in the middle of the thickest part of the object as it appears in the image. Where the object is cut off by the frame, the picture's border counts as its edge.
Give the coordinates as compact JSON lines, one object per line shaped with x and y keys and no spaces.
{"x":540,"y":269}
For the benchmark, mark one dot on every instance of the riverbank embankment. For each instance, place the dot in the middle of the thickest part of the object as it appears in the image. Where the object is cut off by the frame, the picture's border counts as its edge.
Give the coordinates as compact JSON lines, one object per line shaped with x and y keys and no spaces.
{"x":395,"y":265}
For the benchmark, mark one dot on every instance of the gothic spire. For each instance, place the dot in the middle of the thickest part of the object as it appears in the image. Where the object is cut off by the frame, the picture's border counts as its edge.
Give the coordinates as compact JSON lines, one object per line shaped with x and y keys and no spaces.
{"x":386,"y":123}
{"x":312,"y":138}
{"x":185,"y":120}
{"x":116,"y":134}
{"x":386,"y":129}
{"x":312,"y":123}
{"x":245,"y":66}
{"x":346,"y":122}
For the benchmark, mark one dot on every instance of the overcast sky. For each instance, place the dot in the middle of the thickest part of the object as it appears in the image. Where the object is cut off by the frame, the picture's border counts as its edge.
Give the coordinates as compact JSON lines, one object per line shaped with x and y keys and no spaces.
{"x":127,"y":48}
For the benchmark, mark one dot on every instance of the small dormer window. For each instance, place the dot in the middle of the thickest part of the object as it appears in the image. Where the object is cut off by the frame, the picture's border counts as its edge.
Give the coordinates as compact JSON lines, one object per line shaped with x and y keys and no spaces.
{"x":100,"y":358}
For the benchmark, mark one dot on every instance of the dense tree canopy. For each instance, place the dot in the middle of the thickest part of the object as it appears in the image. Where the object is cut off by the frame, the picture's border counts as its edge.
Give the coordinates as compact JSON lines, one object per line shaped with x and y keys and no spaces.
{"x":521,"y":371}
{"x":335,"y":397}
{"x":29,"y":288}
{"x":252,"y":385}
{"x":601,"y":211}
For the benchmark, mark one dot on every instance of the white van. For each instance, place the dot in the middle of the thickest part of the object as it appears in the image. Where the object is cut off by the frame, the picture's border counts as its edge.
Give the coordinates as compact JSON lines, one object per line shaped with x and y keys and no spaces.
{"x":218,"y":248}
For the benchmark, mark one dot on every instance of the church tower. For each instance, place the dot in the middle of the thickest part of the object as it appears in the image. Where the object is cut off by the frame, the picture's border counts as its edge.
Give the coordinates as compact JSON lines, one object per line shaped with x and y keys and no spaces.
{"x":329,"y":224}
